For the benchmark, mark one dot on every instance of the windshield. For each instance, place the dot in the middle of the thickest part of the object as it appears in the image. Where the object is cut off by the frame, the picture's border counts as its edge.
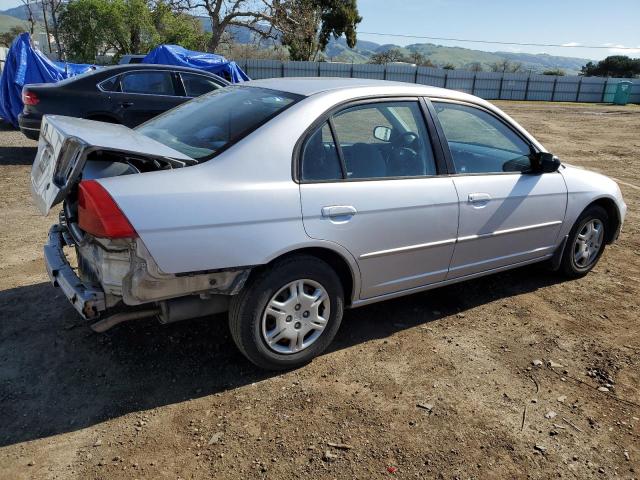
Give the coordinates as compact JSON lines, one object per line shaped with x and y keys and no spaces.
{"x":205,"y":125}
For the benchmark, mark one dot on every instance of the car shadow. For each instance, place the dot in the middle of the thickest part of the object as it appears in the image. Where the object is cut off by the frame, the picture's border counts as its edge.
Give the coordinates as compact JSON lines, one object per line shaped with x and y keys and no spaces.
{"x":16,"y":155}
{"x":57,"y":376}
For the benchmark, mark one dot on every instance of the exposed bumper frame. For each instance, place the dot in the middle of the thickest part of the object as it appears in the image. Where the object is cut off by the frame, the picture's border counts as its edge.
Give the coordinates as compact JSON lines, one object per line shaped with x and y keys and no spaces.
{"x":88,"y":300}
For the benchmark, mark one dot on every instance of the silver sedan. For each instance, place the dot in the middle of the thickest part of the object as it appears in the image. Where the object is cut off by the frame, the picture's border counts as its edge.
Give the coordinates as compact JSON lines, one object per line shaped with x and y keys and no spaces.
{"x":285,"y":201}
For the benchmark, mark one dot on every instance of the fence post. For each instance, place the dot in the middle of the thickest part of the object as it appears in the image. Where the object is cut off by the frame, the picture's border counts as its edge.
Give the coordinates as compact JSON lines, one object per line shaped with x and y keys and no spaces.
{"x":473,"y":83}
{"x":526,"y":87}
{"x":415,"y":77}
{"x":446,"y":75}
{"x":384,"y":74}
{"x":282,"y":69}
{"x":351,"y":71}
{"x":604,"y":89}
{"x":553,"y":92}
{"x":318,"y":68}
{"x":579,"y":87}
{"x":500,"y":89}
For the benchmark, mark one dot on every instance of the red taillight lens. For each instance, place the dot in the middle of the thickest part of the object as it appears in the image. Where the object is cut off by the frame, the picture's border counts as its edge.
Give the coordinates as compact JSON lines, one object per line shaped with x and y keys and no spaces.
{"x":29,"y":98}
{"x":99,"y":215}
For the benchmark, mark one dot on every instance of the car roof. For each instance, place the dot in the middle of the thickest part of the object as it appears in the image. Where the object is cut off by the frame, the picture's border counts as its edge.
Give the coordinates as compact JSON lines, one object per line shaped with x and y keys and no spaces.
{"x":151,"y":66}
{"x":308,"y":86}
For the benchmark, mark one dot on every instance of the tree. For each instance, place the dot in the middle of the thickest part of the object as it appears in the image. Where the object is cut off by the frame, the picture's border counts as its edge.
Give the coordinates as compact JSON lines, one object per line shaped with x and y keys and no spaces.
{"x":619,"y":66}
{"x":307,"y":26}
{"x":448,"y":66}
{"x":7,"y":38}
{"x":90,"y":28}
{"x":555,"y":71}
{"x":387,"y":56}
{"x":506,"y":66}
{"x":475,"y":67}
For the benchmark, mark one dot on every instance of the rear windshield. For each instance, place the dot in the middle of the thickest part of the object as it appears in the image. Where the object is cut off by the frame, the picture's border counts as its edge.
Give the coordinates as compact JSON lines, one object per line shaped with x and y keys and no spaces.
{"x":205,"y":125}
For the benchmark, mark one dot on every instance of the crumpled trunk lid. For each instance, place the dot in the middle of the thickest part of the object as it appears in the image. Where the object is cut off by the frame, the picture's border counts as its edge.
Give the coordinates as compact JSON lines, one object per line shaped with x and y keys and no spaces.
{"x":65,"y":143}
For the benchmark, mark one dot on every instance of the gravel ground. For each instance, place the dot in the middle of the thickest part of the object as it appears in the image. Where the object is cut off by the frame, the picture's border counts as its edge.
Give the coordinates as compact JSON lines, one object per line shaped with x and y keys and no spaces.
{"x":435,"y":385}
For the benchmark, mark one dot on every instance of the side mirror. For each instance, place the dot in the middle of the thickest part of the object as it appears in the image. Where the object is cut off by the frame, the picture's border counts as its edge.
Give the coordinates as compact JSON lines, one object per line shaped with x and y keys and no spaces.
{"x":382,"y":133}
{"x":544,"y":162}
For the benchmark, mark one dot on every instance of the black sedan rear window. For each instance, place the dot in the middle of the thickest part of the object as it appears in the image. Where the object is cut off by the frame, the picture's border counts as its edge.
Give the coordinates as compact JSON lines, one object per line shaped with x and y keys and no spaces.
{"x":208,"y":124}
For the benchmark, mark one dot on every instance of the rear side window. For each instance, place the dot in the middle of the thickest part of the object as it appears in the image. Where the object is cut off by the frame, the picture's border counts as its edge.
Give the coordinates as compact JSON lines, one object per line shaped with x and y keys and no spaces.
{"x":320,"y":159}
{"x":152,"y":83}
{"x":109,"y":85}
{"x":196,"y":85}
{"x":479,"y":142}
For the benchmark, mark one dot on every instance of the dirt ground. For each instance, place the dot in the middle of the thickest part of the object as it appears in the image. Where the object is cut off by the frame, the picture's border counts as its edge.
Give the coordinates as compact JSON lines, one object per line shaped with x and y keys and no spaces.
{"x":435,"y":385}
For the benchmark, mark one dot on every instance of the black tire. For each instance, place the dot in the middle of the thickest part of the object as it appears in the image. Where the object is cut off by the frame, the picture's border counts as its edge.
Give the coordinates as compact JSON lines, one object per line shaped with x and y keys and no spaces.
{"x":247,"y":308}
{"x":568,"y":265}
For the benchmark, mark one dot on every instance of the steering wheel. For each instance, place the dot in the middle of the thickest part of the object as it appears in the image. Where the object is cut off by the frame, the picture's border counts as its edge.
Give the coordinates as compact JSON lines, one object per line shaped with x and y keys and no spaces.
{"x":403,"y":152}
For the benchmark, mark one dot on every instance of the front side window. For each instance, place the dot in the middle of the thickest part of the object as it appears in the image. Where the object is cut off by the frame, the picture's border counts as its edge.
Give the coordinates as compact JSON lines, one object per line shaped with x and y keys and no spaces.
{"x":203,"y":126}
{"x":386,"y":139}
{"x":196,"y":85}
{"x":479,"y":142}
{"x":152,"y":83}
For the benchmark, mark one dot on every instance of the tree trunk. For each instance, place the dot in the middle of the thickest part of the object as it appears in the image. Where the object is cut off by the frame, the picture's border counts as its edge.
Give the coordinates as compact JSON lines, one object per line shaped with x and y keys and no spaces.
{"x":217,"y":30}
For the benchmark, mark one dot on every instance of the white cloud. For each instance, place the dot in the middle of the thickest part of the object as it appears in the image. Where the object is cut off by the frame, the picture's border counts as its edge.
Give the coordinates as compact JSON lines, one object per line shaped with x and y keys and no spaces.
{"x":618,"y":49}
{"x":571,"y":44}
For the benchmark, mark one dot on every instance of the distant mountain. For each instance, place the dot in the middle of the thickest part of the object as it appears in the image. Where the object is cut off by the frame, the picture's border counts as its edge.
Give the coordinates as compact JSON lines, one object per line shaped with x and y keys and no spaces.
{"x":21,"y":12}
{"x":7,"y":22}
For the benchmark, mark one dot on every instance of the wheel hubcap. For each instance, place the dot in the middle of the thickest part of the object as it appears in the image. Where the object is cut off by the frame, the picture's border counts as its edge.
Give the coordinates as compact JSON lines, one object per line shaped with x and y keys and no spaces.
{"x":588,"y":243}
{"x":296,"y":316}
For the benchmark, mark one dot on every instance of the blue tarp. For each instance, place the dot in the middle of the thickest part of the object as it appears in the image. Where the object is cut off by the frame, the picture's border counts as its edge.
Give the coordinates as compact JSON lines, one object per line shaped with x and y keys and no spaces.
{"x":176,"y":55}
{"x":25,"y":64}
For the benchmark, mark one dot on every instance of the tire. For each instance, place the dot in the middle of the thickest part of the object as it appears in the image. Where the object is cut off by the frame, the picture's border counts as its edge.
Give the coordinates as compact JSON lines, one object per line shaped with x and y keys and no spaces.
{"x":251,"y":324}
{"x":570,"y":266}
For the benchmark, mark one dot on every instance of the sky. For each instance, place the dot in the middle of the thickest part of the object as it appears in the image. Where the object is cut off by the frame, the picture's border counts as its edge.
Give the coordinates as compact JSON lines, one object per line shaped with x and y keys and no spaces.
{"x":607,"y":23}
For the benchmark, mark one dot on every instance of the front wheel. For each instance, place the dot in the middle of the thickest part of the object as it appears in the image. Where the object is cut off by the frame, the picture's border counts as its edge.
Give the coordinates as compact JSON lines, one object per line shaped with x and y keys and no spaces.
{"x":288,"y":314}
{"x":586,"y":242}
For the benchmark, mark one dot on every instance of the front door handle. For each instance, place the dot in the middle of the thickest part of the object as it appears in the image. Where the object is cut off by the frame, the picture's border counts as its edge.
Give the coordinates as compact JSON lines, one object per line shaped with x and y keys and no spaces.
{"x":479,"y":198}
{"x":338,"y":211}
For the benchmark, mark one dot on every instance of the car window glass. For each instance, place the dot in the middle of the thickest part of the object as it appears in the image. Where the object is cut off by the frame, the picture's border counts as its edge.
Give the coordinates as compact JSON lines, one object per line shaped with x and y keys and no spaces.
{"x":196,"y":85}
{"x":387,"y":139}
{"x":320,"y":159}
{"x":109,"y":84}
{"x":203,"y":126}
{"x":479,"y":142}
{"x":156,"y":83}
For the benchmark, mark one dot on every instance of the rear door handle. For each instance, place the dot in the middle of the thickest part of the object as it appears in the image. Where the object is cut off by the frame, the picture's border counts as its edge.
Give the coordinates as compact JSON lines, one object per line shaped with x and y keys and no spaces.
{"x":479,"y":198}
{"x":338,"y":211}
{"x":126,"y":104}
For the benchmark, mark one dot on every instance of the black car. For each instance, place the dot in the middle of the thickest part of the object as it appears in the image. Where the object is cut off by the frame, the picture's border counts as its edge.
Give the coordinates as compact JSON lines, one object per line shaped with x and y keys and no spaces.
{"x":126,"y":94}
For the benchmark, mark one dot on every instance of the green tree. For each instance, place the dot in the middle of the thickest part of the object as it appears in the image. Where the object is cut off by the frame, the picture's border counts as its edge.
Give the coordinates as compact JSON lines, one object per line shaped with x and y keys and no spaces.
{"x":86,"y":28}
{"x":306,"y":26}
{"x":388,"y":56}
{"x":555,"y":71}
{"x":619,"y":66}
{"x":178,"y":28}
{"x":7,"y":38}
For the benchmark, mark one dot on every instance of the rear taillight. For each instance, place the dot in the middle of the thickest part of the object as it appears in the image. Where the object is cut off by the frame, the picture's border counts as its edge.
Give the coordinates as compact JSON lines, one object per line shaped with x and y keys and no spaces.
{"x":99,"y":215}
{"x":29,"y":98}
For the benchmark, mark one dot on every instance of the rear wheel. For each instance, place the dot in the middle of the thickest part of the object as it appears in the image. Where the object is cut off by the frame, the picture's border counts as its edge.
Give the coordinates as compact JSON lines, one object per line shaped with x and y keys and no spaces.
{"x":586,"y":242}
{"x":287,"y":315}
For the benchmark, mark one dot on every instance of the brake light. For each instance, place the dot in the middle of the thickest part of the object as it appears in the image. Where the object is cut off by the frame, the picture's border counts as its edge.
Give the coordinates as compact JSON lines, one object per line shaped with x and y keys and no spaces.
{"x":29,"y":98}
{"x":98,"y":213}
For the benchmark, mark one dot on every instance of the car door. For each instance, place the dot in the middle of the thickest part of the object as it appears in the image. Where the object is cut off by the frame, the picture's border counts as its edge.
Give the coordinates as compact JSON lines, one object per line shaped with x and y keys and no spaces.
{"x":368,"y":182}
{"x":144,"y":94}
{"x":508,"y":215}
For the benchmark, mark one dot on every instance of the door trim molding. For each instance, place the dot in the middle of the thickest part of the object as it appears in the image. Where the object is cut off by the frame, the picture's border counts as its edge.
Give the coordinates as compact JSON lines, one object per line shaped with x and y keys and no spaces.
{"x":507,"y":231}
{"x":409,"y":248}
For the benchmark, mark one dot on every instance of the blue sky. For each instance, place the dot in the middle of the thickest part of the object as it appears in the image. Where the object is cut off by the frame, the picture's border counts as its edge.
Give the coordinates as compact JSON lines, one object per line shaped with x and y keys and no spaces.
{"x":567,"y":22}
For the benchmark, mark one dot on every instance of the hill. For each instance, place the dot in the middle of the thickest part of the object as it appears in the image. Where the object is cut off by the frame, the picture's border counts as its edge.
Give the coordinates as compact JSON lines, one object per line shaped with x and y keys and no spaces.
{"x":7,"y":22}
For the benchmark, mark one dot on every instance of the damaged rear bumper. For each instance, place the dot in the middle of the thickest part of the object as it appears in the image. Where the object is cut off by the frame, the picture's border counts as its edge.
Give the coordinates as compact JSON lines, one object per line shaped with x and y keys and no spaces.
{"x":88,"y":300}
